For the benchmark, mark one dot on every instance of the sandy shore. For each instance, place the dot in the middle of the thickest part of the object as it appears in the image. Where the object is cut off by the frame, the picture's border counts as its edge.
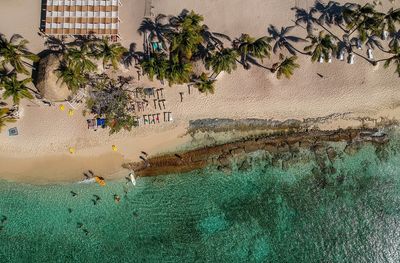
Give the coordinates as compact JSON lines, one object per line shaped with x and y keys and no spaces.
{"x":40,"y":152}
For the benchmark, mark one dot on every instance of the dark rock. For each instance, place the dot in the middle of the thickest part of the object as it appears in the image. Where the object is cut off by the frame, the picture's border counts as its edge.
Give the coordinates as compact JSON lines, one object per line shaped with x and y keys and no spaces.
{"x":245,"y":166}
{"x":331,"y":154}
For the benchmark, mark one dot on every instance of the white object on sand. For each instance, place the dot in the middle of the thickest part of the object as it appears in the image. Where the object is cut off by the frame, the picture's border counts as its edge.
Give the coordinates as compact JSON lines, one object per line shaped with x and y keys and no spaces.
{"x":341,"y":55}
{"x":350,"y":59}
{"x":321,"y":58}
{"x":132,"y":177}
{"x":370,"y":55}
{"x":87,"y":181}
{"x":330,"y":58}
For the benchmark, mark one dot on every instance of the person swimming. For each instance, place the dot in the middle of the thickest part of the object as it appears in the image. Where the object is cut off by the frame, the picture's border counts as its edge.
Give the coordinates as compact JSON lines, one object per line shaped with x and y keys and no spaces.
{"x":117,"y":198}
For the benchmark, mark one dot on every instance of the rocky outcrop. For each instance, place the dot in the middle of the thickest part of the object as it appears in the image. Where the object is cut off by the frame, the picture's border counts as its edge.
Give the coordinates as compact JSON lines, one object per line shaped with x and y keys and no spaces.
{"x":283,"y":148}
{"x":47,"y":82}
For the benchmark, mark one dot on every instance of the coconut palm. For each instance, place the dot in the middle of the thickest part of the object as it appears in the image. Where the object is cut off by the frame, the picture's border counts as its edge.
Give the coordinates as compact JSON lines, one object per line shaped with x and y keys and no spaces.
{"x":155,"y":65}
{"x":71,"y":75}
{"x":14,"y":52}
{"x":57,"y":44}
{"x":394,"y":43}
{"x":16,"y":89}
{"x":213,"y":39}
{"x":156,"y":28}
{"x":187,"y":21}
{"x":5,"y":118}
{"x":395,"y":59}
{"x":204,"y":84}
{"x":389,"y":20}
{"x":306,"y":17}
{"x":224,"y":60}
{"x":109,"y":53}
{"x":178,"y":72}
{"x":285,"y":67}
{"x":185,"y":43}
{"x":330,"y":13}
{"x":81,"y":57}
{"x":282,"y":40}
{"x":321,"y":45}
{"x":251,"y":48}
{"x":132,"y":56}
{"x":360,"y":18}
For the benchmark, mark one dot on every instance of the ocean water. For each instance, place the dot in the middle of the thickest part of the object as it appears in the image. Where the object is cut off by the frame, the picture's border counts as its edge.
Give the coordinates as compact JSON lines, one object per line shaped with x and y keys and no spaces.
{"x":265,"y":214}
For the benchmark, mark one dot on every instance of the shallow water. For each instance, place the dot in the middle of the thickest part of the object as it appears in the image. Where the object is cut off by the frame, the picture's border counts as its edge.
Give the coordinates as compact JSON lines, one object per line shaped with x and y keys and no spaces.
{"x":263,"y":215}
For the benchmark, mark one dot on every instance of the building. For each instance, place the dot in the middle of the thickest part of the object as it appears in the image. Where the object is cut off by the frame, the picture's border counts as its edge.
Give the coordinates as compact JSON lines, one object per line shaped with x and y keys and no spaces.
{"x":81,"y":17}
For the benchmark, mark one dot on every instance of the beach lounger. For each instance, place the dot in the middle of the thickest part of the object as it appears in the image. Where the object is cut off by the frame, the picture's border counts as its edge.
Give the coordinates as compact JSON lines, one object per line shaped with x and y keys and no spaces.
{"x":350,"y":59}
{"x":341,"y":55}
{"x":369,"y":53}
{"x":321,"y":59}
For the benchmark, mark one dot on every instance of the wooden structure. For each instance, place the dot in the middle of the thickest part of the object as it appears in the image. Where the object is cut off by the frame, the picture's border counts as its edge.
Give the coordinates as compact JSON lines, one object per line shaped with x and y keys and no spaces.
{"x":81,"y":17}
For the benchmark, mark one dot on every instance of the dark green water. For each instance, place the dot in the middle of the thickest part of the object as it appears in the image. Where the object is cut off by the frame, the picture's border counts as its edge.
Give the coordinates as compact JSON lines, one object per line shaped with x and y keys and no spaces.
{"x":263,"y":215}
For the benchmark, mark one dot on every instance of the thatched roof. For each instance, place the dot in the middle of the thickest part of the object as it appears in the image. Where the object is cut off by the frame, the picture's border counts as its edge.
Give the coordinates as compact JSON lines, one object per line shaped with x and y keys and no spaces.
{"x":47,"y":82}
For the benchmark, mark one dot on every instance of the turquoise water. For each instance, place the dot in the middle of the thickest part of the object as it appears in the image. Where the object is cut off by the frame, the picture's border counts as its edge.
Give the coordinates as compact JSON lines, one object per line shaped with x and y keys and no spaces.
{"x":263,"y":215}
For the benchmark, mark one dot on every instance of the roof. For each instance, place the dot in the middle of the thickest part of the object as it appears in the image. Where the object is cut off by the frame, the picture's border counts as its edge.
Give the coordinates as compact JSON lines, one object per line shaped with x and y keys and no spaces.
{"x":81,"y":17}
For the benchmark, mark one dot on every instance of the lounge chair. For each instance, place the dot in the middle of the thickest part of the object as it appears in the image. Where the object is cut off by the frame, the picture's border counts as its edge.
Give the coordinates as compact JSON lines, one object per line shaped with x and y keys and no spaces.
{"x":369,"y":53}
{"x":350,"y":59}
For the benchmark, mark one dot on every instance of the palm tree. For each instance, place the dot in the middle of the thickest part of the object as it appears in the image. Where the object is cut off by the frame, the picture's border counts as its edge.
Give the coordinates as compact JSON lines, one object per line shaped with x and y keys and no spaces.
{"x":395,"y":40}
{"x":80,"y":57}
{"x":285,"y":67}
{"x":250,"y":48}
{"x":321,"y":45}
{"x":213,"y":39}
{"x":5,"y":118}
{"x":282,"y":40}
{"x":110,"y":53}
{"x":306,"y":17}
{"x":132,"y":56}
{"x":57,"y":44}
{"x":224,"y":60}
{"x":185,"y":43}
{"x":156,"y":28}
{"x":330,"y":13}
{"x":71,"y":76}
{"x":155,"y":65}
{"x":15,"y":88}
{"x":15,"y":52}
{"x":178,"y":72}
{"x":204,"y":84}
{"x":395,"y":59}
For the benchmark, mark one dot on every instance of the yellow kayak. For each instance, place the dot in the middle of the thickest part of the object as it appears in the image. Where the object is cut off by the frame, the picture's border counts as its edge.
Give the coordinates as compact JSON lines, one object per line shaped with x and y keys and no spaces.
{"x":100,"y":180}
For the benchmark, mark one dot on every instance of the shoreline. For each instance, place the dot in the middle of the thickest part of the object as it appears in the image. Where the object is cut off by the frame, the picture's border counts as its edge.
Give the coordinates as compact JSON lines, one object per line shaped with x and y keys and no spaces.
{"x":205,"y":142}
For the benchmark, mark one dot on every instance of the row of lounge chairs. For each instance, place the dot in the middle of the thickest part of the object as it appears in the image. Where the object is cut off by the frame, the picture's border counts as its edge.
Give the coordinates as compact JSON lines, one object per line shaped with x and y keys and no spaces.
{"x":154,"y":118}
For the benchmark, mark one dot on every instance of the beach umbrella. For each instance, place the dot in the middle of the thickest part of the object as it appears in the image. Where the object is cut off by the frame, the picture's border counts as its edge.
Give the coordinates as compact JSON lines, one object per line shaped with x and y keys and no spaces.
{"x":61,"y":107}
{"x":71,"y":150}
{"x":114,"y":148}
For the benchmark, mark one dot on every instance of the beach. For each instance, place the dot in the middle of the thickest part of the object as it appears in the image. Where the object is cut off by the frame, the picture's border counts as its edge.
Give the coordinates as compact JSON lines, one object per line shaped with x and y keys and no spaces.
{"x":346,"y":96}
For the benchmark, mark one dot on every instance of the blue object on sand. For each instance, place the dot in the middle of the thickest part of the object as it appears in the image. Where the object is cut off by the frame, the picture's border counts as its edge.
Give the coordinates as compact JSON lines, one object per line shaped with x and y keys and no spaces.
{"x":101,"y":122}
{"x":13,"y":131}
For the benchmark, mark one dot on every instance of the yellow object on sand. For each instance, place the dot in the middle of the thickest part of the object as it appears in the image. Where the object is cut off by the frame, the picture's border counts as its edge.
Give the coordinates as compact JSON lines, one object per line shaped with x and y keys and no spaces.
{"x":114,"y":148}
{"x":100,"y":180}
{"x":62,"y":107}
{"x":71,"y":112}
{"x":71,"y":150}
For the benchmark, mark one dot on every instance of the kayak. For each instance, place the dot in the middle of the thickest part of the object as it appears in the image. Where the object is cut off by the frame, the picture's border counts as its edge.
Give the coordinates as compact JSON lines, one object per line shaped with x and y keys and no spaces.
{"x":133,"y":179}
{"x":87,"y":181}
{"x":100,"y":180}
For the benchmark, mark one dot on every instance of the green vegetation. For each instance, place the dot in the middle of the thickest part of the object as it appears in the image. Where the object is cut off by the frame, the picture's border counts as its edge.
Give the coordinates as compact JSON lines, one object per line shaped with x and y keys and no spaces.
{"x":16,"y":89}
{"x":113,"y":102}
{"x":5,"y":118}
{"x":175,"y":47}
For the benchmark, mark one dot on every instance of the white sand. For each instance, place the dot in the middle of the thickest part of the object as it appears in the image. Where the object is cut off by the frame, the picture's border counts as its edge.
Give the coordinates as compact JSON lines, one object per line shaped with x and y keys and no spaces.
{"x":41,"y":149}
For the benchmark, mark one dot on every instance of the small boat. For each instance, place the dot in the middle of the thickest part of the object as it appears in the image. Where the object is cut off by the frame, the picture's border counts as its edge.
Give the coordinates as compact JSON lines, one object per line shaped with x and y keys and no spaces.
{"x":100,"y":180}
{"x":87,"y":181}
{"x":132,"y":178}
